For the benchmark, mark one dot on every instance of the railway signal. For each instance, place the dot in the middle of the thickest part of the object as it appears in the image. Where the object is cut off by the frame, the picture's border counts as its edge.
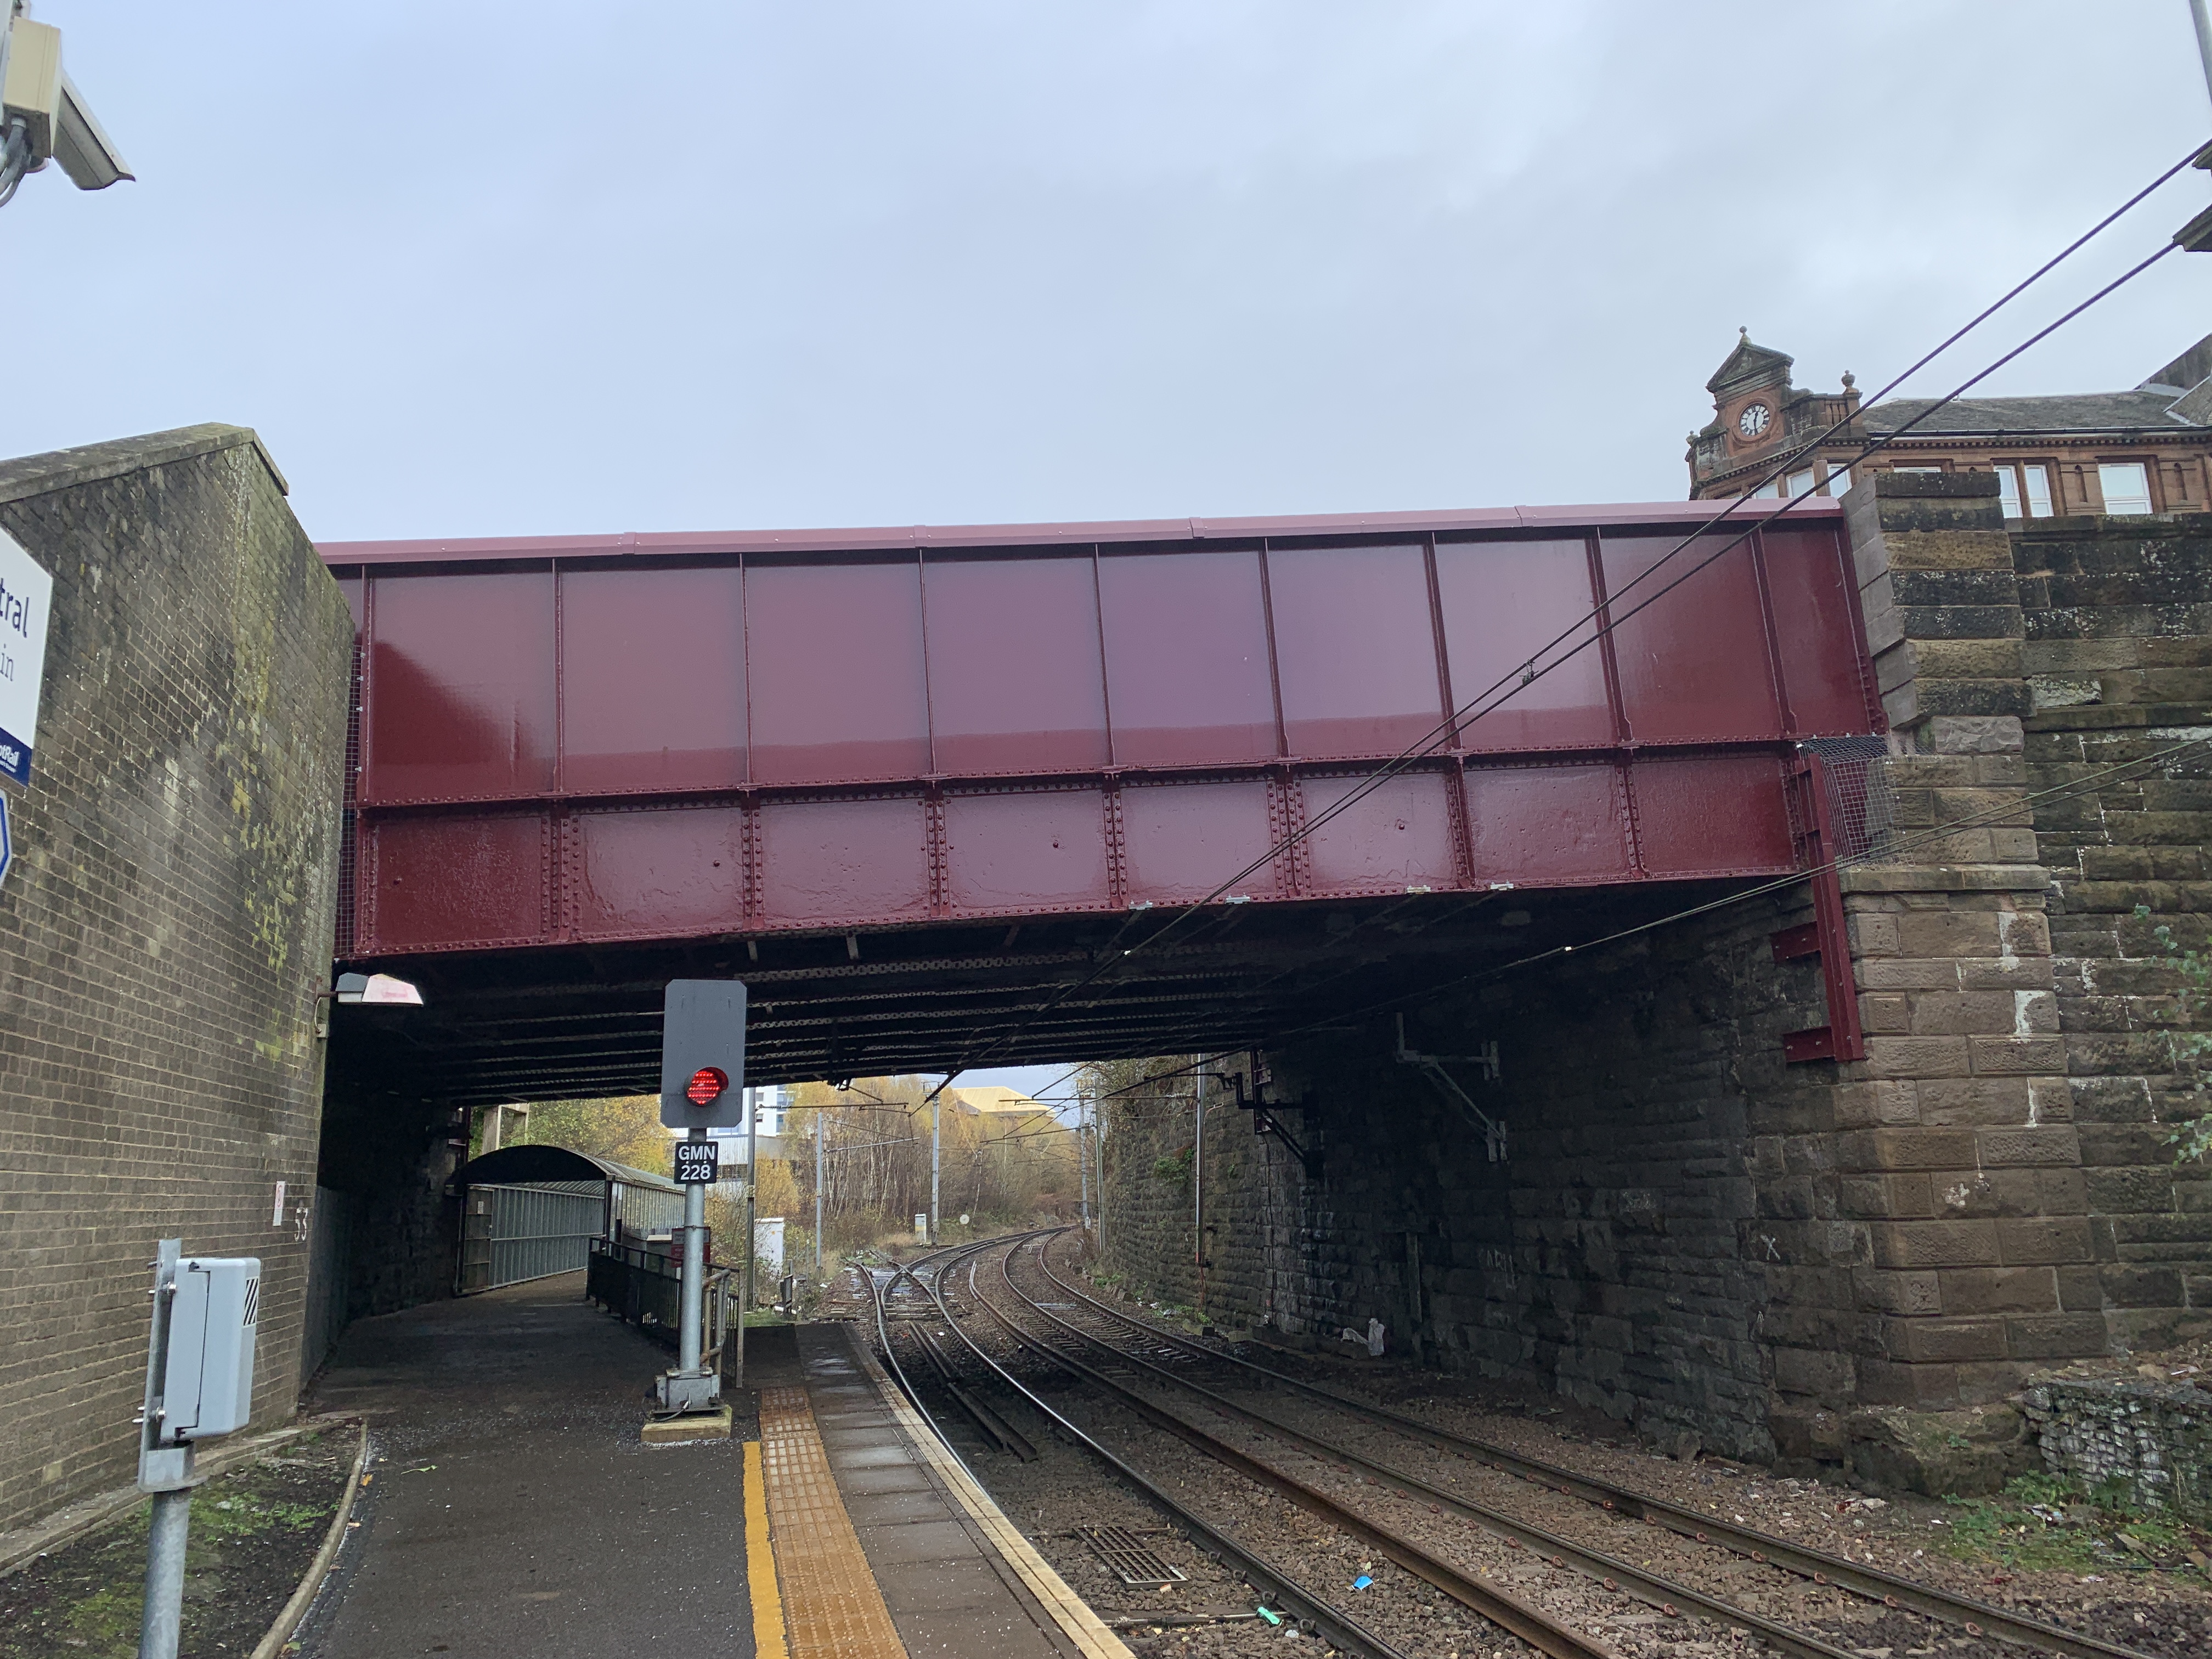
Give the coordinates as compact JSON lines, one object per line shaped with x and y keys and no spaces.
{"x":703,"y":1074}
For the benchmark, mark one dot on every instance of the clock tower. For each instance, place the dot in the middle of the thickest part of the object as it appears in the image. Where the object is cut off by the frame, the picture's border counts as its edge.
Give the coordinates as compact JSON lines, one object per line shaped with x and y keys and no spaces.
{"x":1758,"y":417}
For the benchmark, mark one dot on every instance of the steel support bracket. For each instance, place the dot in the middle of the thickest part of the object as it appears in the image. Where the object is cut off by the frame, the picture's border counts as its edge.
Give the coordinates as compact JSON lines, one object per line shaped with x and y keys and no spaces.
{"x":1265,"y":1122}
{"x":678,"y":1393}
{"x":1432,"y":1067}
{"x":1827,"y":936}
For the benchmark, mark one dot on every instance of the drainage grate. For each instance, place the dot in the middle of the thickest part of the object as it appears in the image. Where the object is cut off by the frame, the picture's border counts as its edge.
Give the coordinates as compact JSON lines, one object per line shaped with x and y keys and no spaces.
{"x":1125,"y":1556}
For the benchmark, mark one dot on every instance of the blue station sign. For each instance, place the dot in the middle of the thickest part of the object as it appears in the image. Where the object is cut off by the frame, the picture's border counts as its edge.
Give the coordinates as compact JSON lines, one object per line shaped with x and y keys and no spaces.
{"x":25,"y":595}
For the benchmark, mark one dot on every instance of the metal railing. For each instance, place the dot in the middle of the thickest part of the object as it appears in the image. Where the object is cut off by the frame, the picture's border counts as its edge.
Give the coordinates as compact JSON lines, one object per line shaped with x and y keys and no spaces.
{"x":644,"y":1287}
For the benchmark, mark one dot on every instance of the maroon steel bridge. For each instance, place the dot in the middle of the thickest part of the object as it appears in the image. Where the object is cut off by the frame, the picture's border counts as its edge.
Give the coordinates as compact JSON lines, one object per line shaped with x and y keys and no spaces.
{"x":909,"y":783}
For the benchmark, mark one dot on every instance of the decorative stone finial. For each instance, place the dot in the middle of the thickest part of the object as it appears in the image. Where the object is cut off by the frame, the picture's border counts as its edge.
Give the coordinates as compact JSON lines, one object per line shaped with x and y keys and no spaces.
{"x":1744,"y":330}
{"x":1849,"y":382}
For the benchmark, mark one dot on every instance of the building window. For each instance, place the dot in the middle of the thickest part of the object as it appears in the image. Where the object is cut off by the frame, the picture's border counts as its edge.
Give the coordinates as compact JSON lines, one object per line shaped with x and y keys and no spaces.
{"x":2126,"y":486}
{"x":1801,"y":483}
{"x":1768,"y":491}
{"x":1839,"y":480}
{"x":2024,"y":482}
{"x":1916,"y":469}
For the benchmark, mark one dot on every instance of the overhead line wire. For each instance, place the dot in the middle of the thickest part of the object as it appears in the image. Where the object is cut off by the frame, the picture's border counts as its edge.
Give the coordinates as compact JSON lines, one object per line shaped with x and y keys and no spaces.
{"x":1452,"y":724}
{"x":1462,"y":718}
{"x":1885,"y":855}
{"x":1609,"y":623}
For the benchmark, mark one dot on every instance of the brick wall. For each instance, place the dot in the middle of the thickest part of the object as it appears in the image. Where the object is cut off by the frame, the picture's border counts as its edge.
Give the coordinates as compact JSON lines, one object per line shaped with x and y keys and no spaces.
{"x":163,"y":931}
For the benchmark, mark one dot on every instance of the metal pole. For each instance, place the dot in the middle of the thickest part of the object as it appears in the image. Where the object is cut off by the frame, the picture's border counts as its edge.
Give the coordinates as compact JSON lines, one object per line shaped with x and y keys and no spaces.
{"x":752,"y":1191}
{"x":695,"y":1270}
{"x":162,"y":1625}
{"x":936,"y":1145}
{"x":1198,"y":1195}
{"x":166,"y":1471}
{"x":2204,"y":21}
{"x":818,"y":1174}
{"x":1083,"y":1164}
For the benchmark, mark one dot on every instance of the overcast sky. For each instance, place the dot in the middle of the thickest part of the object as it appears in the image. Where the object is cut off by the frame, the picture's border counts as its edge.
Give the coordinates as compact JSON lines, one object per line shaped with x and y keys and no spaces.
{"x":493,"y":268}
{"x":488,"y":268}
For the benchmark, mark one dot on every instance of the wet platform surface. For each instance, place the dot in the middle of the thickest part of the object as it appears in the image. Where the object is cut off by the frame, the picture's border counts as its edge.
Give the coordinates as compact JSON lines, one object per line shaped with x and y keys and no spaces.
{"x":513,"y":1510}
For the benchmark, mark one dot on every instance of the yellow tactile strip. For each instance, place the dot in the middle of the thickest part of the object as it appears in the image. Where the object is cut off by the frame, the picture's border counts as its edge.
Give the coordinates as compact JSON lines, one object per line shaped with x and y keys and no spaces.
{"x":832,"y":1607}
{"x":760,"y":1563}
{"x":1065,"y":1608}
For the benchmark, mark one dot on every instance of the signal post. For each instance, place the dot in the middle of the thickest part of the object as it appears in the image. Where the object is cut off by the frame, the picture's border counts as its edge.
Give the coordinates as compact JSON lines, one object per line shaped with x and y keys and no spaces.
{"x":702,"y":1073}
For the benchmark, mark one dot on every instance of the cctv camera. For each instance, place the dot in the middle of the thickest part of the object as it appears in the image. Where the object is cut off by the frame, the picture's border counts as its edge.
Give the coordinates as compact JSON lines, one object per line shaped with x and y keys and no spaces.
{"x":85,"y":151}
{"x":43,"y":116}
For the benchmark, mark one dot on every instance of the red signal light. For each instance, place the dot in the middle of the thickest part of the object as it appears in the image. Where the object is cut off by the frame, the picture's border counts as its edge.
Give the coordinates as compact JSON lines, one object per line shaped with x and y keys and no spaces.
{"x":705,"y":1084}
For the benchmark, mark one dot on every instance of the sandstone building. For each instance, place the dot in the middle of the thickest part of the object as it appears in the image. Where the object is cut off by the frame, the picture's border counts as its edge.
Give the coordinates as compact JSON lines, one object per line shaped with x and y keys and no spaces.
{"x":2122,"y":454}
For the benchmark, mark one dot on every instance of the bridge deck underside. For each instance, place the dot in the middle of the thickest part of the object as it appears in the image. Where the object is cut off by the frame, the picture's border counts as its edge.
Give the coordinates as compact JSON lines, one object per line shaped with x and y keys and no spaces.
{"x":580,"y":1023}
{"x":913,"y":785}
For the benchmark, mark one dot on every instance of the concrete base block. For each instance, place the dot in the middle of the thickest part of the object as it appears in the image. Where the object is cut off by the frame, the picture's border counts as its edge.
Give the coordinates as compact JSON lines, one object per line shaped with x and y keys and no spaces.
{"x":677,"y":1431}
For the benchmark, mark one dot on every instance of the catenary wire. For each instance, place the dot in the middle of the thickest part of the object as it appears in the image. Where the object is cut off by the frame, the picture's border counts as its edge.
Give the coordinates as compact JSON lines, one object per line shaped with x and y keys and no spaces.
{"x":1529,"y":675}
{"x":1452,"y":724}
{"x":1935,"y":832}
{"x":1462,"y":717}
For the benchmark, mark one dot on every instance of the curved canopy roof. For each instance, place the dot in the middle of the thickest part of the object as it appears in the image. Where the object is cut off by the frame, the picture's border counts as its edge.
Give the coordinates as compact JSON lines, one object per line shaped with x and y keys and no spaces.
{"x":510,"y":1165}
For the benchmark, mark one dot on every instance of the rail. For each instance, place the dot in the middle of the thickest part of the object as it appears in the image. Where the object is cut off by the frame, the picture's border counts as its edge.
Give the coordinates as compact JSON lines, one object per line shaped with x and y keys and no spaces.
{"x":1332,"y":1623}
{"x":1614,"y":1572}
{"x":1978,"y":1618}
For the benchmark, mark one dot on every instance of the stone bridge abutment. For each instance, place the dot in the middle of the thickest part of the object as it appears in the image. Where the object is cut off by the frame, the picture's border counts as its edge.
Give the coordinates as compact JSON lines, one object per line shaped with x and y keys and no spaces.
{"x":1700,"y":1237}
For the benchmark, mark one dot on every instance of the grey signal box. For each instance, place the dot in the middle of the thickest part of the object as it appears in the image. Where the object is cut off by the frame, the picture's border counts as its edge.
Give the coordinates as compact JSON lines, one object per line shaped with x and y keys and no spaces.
{"x":703,"y":1030}
{"x":207,"y":1371}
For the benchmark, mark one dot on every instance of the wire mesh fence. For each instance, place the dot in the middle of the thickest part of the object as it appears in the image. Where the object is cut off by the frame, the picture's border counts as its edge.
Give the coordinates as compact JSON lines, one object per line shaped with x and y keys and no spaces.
{"x":1860,"y":805}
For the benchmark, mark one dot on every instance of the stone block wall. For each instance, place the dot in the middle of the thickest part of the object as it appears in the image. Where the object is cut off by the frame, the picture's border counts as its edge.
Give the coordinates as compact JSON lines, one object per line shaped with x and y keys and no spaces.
{"x":163,"y":930}
{"x":1961,"y":1148}
{"x":2117,"y":662}
{"x":393,"y":1159}
{"x":1638,"y":1248}
{"x":1695,"y":1237}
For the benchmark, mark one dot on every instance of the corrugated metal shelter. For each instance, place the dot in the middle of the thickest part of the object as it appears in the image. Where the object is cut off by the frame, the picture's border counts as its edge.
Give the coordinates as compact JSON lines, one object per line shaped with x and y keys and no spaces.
{"x":530,"y":1212}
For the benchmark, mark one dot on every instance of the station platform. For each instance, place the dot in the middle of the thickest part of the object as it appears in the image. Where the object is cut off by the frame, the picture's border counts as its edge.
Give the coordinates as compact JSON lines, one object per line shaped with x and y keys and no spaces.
{"x":952,"y":1574}
{"x":511,"y":1507}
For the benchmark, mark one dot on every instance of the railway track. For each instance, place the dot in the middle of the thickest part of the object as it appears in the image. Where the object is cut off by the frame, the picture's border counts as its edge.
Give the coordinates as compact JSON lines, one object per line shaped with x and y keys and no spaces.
{"x":1314,"y":1612}
{"x":905,"y":1303}
{"x":1132,"y":1359}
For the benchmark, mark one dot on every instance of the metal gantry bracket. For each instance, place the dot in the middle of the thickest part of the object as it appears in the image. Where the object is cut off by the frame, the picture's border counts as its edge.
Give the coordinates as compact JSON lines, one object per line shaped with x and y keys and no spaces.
{"x":1265,"y":1122}
{"x":1432,"y":1066}
{"x":1827,"y":936}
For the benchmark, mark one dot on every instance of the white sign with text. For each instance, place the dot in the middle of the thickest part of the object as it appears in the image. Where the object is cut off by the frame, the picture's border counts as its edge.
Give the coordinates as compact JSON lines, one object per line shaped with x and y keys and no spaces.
{"x":26,"y":591}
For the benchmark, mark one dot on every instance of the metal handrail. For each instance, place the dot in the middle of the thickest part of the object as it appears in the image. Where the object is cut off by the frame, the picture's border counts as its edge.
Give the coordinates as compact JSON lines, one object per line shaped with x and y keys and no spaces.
{"x":721,"y":1290}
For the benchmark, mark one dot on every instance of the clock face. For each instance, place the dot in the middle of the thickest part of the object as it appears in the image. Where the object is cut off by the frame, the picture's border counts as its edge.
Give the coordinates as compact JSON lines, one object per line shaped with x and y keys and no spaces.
{"x":1754,"y":420}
